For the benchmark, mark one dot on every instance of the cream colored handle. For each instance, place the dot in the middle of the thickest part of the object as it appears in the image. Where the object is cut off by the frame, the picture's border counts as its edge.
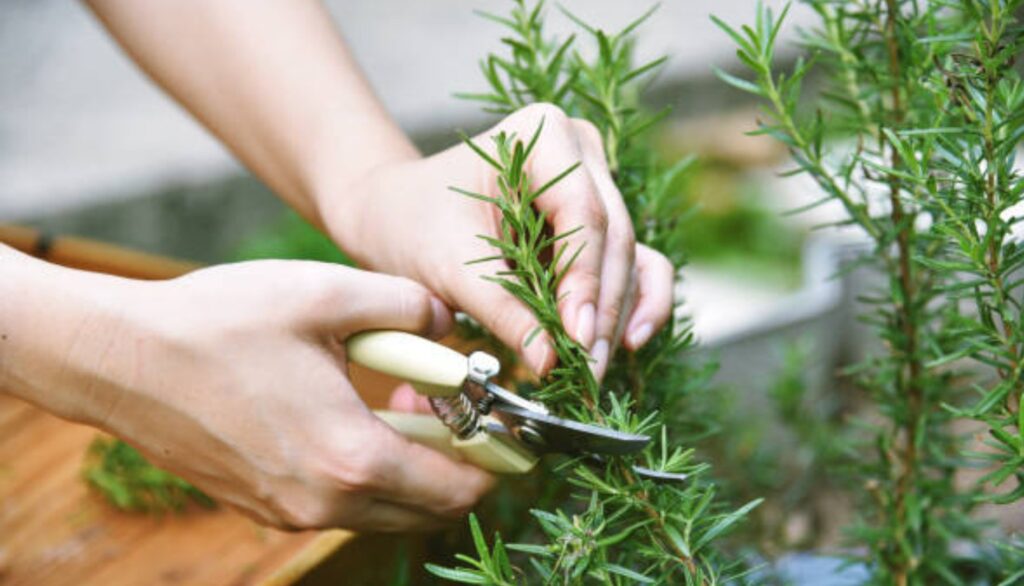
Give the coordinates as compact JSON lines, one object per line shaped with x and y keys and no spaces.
{"x":487,"y":451}
{"x":434,"y":370}
{"x":422,"y":429}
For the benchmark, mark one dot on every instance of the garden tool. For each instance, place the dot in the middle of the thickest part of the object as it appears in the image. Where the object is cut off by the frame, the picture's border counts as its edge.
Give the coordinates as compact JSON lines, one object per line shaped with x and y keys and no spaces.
{"x":477,"y":420}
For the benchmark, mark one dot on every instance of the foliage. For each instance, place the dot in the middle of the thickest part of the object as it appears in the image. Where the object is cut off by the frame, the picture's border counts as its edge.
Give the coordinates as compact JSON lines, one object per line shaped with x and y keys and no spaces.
{"x":731,"y":229}
{"x":291,"y":238}
{"x":129,"y":482}
{"x":925,"y":95}
{"x":789,"y":453}
{"x":619,"y":529}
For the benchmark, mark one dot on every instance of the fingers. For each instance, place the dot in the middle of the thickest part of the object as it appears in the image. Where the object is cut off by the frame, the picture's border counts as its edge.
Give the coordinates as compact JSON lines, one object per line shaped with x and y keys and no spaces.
{"x":574,"y":203}
{"x":618,"y":255}
{"x":405,"y":399}
{"x":349,"y":301}
{"x":655,"y":283}
{"x":387,"y":517}
{"x":501,"y":313}
{"x":412,"y":475}
{"x":597,"y":292}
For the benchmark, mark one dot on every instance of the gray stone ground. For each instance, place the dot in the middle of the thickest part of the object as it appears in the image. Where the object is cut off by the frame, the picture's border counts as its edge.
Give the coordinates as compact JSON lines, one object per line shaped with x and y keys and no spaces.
{"x":79,"y":125}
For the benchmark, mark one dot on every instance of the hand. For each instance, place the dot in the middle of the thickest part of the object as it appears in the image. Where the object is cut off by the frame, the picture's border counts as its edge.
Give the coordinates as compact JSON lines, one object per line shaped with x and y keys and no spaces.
{"x":234,"y":377}
{"x":401,"y":218}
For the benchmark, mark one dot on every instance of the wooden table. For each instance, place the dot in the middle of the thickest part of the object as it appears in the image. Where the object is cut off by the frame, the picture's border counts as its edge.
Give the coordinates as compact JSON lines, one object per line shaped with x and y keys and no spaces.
{"x":53,"y":530}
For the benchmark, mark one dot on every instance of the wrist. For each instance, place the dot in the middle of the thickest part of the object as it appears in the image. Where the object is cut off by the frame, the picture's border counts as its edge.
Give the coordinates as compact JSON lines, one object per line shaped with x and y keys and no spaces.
{"x":347,"y":205}
{"x":339,"y":166}
{"x":62,"y":332}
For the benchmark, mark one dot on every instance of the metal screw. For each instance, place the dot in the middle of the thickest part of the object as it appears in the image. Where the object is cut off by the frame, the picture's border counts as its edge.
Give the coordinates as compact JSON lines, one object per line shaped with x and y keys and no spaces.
{"x":483,"y":366}
{"x":530,"y":436}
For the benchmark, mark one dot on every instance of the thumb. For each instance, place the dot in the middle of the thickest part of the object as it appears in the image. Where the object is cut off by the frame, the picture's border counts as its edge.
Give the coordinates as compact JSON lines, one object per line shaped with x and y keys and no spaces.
{"x":425,"y":479}
{"x":356,"y":300}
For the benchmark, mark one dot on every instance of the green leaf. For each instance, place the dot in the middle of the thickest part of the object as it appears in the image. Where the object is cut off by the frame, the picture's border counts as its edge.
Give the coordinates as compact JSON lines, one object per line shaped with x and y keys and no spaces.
{"x":627,"y":573}
{"x":457,"y":575}
{"x":725,"y":523}
{"x":738,"y":83}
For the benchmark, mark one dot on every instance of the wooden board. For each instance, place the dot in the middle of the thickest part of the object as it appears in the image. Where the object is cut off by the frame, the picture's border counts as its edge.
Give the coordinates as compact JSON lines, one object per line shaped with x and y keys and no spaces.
{"x":53,"y":530}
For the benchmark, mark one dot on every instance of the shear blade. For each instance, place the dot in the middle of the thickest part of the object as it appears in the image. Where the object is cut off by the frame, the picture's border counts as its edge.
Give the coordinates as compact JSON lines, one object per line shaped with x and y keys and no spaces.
{"x":658,"y":476}
{"x":573,"y":437}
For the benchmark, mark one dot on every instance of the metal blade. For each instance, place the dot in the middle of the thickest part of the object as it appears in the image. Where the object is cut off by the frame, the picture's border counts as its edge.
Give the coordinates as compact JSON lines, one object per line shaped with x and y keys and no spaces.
{"x":546,"y":433}
{"x":659,"y":476}
{"x":645,"y":473}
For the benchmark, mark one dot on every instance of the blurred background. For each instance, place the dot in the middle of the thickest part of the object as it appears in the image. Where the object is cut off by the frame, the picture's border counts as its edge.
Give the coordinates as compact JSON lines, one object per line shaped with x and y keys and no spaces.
{"x":90,"y":147}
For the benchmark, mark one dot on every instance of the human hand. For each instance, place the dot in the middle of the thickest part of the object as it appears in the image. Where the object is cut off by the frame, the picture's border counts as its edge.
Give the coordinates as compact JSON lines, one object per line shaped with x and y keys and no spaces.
{"x":234,"y":377}
{"x":402,"y":219}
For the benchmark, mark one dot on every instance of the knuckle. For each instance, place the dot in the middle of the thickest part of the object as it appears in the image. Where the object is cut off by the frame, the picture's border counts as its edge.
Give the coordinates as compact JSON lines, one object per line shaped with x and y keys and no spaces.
{"x":458,"y":509}
{"x":415,"y":306}
{"x":583,"y":283}
{"x":662,"y":264}
{"x":595,"y":214}
{"x":321,"y":293}
{"x":610,"y":314}
{"x":359,"y":472}
{"x":353,"y":468}
{"x":297,"y":513}
{"x":550,"y":113}
{"x":462,"y":503}
{"x":508,"y":319}
{"x":622,"y":238}
{"x":588,"y":132}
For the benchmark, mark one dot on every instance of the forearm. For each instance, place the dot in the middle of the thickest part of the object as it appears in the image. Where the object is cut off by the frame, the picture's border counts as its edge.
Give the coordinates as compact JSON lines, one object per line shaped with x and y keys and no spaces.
{"x":273,"y":80}
{"x":59,"y":333}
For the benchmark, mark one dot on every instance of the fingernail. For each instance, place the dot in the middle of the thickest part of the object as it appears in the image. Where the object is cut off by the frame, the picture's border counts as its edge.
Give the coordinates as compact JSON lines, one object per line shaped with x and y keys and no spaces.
{"x":537,"y":354}
{"x":600,"y":355}
{"x":585,"y":324}
{"x":441,"y":321}
{"x":639,"y":335}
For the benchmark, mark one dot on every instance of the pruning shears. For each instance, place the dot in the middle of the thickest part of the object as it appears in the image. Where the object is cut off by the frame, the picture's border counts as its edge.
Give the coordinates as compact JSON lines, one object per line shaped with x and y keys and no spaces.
{"x":475,"y":419}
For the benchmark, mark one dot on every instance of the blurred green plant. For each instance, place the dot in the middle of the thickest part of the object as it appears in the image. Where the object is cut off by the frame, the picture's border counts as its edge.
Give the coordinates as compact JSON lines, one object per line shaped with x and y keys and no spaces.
{"x":291,"y":237}
{"x":791,"y":453}
{"x":129,"y":482}
{"x":731,"y":229}
{"x":928,"y":95}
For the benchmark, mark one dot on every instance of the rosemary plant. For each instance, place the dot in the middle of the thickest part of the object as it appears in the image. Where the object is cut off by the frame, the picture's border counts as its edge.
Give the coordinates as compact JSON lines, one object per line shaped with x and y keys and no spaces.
{"x":916,"y":134}
{"x":129,"y":482}
{"x":619,"y":529}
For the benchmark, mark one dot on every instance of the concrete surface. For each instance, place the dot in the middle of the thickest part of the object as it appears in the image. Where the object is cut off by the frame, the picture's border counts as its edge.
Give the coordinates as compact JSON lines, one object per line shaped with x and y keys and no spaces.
{"x":80,"y":125}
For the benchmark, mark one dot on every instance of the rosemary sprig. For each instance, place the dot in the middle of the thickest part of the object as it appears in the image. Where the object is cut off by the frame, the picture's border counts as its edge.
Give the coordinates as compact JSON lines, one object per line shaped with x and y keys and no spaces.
{"x":620,"y":529}
{"x":129,"y":482}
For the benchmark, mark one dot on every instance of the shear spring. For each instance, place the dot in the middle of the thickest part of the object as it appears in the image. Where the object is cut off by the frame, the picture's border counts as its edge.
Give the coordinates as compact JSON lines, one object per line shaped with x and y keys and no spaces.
{"x":458,"y":413}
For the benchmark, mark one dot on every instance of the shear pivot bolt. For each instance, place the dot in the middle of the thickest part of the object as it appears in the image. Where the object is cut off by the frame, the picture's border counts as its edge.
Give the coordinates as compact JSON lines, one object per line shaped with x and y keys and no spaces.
{"x":530,"y":436}
{"x":483,"y":366}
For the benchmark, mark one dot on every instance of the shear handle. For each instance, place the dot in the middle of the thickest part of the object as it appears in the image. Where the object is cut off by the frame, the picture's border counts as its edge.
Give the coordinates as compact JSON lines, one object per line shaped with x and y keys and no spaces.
{"x":492,"y":452}
{"x":434,"y":370}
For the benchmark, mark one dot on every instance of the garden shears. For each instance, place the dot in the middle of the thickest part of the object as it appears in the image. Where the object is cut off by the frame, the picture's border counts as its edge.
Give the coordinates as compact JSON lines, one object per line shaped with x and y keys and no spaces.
{"x":475,"y":419}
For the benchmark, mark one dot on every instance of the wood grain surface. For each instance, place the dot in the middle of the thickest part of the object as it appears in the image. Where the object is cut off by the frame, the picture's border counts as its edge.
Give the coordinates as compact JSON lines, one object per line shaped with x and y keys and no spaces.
{"x":53,"y":530}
